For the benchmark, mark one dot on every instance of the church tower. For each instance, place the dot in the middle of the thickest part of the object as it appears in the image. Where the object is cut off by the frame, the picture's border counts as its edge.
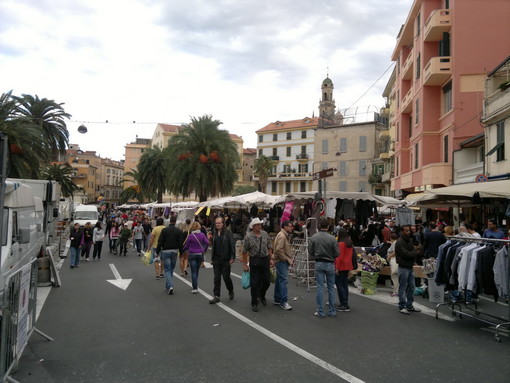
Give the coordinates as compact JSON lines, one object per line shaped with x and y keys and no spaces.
{"x":327,"y":104}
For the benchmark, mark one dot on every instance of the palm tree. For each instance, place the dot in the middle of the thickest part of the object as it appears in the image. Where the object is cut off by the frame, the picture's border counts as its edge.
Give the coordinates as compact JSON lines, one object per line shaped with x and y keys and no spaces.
{"x":26,"y":150}
{"x":153,"y":172}
{"x":135,"y":191}
{"x":49,"y":117}
{"x":262,"y":168}
{"x":202,"y":160}
{"x":62,"y":173}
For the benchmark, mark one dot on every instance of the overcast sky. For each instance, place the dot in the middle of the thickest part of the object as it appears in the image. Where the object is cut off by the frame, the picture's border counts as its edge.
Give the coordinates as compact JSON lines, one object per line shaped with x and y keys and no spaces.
{"x":246,"y":62}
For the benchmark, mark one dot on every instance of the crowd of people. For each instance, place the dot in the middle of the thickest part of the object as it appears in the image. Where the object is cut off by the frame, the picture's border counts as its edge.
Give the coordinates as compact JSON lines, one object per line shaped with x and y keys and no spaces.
{"x":332,"y":249}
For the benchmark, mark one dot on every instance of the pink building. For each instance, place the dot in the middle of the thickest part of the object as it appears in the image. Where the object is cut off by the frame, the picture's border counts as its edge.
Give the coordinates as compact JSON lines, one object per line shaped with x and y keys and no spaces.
{"x":443,"y":53}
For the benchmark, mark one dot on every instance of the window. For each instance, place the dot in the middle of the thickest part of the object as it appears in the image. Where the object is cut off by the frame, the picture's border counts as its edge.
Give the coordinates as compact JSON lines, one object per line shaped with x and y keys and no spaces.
{"x":418,"y":66}
{"x":303,"y":149}
{"x":275,"y":152}
{"x":303,"y":168}
{"x":303,"y":134}
{"x":288,"y":151}
{"x":447,"y":98}
{"x":275,"y":137}
{"x":418,"y":24}
{"x":398,"y":65}
{"x":261,"y":138}
{"x":416,"y":157}
{"x":398,"y":131}
{"x":362,"y":167}
{"x":302,"y":186}
{"x":343,"y":145}
{"x":343,"y":168}
{"x":499,"y":148}
{"x":273,"y":187}
{"x":273,"y":169}
{"x":396,"y":166}
{"x":260,"y":152}
{"x":398,"y":98}
{"x":287,"y":187}
{"x":445,"y":148}
{"x":410,"y":125}
{"x":417,"y":111}
{"x":289,"y":135}
{"x":324,"y":165}
{"x":362,"y":143}
{"x":343,"y":186}
{"x":324,"y":146}
{"x":286,"y":168}
{"x":362,"y":186}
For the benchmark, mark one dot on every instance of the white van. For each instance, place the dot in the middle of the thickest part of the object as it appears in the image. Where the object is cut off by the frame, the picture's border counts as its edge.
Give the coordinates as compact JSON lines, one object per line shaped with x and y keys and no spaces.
{"x":86,"y":213}
{"x":22,"y":234}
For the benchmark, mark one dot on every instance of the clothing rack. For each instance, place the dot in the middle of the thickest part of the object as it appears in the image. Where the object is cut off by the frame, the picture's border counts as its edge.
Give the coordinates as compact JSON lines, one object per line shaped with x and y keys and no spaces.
{"x":456,"y":307}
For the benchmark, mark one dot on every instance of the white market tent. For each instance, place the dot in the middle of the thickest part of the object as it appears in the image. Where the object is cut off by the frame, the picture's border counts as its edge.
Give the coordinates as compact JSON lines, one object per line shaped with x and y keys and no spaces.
{"x":364,"y":196}
{"x":244,"y":200}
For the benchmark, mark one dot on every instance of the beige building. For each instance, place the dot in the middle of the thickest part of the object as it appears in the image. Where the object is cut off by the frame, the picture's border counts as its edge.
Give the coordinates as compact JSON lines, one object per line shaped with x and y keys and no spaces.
{"x":249,"y":156}
{"x":134,"y":152}
{"x":351,"y":151}
{"x":111,"y":185}
{"x":162,"y":134}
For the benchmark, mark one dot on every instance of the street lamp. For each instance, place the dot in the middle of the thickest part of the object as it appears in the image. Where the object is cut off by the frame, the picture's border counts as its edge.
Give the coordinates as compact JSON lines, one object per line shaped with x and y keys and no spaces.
{"x":82,"y":129}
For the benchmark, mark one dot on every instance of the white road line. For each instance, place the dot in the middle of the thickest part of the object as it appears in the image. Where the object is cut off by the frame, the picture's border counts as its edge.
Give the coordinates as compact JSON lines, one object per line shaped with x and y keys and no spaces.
{"x":305,"y":354}
{"x":114,"y":271}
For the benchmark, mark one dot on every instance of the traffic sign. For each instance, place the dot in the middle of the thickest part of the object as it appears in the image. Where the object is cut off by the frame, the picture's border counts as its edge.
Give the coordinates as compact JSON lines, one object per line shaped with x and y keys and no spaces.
{"x":322,"y":174}
{"x":481,"y":178}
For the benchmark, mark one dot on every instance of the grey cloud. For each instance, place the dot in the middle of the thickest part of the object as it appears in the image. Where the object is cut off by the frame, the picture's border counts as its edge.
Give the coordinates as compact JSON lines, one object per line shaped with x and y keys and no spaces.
{"x":208,"y":29}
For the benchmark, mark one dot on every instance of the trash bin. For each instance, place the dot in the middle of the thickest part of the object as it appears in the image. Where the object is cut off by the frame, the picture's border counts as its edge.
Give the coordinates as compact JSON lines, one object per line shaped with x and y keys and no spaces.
{"x":436,"y":293}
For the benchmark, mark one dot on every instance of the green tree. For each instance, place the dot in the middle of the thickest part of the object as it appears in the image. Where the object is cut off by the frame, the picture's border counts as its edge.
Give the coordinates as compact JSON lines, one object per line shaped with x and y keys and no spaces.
{"x":202,"y":160}
{"x":262,"y":168}
{"x":49,"y":117}
{"x":26,"y":149}
{"x":134,"y":191}
{"x":63,"y":175}
{"x":244,"y":189}
{"x":153,"y":172}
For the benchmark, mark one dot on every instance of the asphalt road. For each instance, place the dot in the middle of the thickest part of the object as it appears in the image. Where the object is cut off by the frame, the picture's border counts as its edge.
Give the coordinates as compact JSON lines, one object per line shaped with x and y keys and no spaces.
{"x":105,"y":334}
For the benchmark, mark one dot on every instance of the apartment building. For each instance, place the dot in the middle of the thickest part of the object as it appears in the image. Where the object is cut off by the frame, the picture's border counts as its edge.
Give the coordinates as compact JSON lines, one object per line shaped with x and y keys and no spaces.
{"x":290,"y":144}
{"x":111,"y":185}
{"x":162,"y":134}
{"x":443,"y":53}
{"x":134,"y":151}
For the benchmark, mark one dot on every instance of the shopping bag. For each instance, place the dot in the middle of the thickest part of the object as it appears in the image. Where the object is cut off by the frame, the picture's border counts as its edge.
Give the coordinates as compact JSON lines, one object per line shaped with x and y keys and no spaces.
{"x":147,"y":257}
{"x":245,"y":280}
{"x":273,"y":274}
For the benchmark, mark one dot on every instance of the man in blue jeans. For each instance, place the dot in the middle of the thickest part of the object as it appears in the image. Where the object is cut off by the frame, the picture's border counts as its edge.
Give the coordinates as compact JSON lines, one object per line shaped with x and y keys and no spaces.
{"x":169,"y":245}
{"x":283,"y":259}
{"x":406,"y":253}
{"x":323,"y":248}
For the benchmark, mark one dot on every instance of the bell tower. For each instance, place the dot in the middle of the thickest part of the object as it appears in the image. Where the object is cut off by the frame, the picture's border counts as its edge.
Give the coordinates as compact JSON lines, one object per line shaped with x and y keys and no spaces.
{"x":327,"y":103}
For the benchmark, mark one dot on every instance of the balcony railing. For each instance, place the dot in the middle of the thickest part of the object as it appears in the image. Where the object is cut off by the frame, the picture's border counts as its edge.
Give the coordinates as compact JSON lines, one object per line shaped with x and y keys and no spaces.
{"x":275,"y":158}
{"x":439,"y":21}
{"x":407,"y":72}
{"x":302,"y":156}
{"x":437,"y":71}
{"x":406,"y":102}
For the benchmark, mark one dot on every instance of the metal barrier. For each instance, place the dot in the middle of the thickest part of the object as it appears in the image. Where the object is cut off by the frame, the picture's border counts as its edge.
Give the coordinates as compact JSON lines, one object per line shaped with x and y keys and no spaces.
{"x":18,"y":317}
{"x":303,"y":268}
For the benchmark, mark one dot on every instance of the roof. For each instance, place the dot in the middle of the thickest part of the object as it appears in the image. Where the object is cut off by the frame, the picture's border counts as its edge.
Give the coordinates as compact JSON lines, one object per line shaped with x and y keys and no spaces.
{"x":499,"y":67}
{"x":235,"y":136}
{"x":327,"y":80}
{"x":249,"y":151}
{"x":292,"y":124}
{"x":169,"y":128}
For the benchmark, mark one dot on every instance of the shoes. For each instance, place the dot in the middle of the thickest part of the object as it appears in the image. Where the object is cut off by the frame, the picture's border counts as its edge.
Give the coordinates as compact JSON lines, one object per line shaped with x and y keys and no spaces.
{"x":76,"y":266}
{"x":394,"y":295}
{"x":286,"y":306}
{"x":171,"y":291}
{"x":185,"y":272}
{"x":404,"y":311}
{"x":72,"y":267}
{"x":344,"y":309}
{"x":194,"y":291}
{"x":413,"y":309}
{"x":263,"y":301}
{"x":317,"y":315}
{"x":157,"y":277}
{"x":115,"y":253}
{"x":231,"y":295}
{"x":254,"y":308}
{"x":276,"y":303}
{"x":161,"y":275}
{"x":88,"y":260}
{"x":214,"y":300}
{"x":138,"y":254}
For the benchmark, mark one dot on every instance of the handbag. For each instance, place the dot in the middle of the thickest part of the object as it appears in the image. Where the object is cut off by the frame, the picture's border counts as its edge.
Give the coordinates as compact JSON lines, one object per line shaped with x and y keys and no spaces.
{"x":147,"y":258}
{"x":273,"y":274}
{"x":245,"y":280}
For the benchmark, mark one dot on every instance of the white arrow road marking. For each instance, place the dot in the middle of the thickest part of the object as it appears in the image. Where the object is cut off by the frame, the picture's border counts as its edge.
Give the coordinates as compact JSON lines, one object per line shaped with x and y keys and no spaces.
{"x":118,"y":281}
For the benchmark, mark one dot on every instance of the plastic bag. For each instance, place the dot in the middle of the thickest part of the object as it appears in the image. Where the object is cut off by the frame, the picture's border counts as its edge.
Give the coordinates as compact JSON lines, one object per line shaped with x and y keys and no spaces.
{"x":245,"y":280}
{"x":147,"y":258}
{"x":273,"y":274}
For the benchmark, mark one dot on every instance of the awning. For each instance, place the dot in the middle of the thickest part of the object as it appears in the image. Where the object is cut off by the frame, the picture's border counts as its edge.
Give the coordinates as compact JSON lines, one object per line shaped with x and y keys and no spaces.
{"x":492,"y":189}
{"x":363,"y":196}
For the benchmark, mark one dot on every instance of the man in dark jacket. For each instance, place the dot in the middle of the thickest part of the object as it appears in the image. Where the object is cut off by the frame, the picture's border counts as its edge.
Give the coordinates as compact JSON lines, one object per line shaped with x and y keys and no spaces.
{"x":406,"y":254}
{"x":223,"y":255}
{"x":169,"y":244}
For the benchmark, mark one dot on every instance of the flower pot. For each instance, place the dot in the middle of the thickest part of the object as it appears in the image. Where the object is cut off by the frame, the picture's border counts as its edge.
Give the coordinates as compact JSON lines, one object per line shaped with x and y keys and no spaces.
{"x":368,"y":282}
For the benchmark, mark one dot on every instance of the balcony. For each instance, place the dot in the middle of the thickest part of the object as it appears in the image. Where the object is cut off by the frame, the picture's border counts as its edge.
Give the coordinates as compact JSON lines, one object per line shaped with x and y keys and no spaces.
{"x":437,"y":71}
{"x":439,"y":21}
{"x":275,"y":158}
{"x":302,"y":156}
{"x":406,"y":102}
{"x":407,"y":68}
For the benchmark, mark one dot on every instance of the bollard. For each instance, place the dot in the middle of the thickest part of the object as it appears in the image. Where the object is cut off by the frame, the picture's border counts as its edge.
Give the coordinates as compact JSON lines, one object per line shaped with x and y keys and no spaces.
{"x":43,"y":271}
